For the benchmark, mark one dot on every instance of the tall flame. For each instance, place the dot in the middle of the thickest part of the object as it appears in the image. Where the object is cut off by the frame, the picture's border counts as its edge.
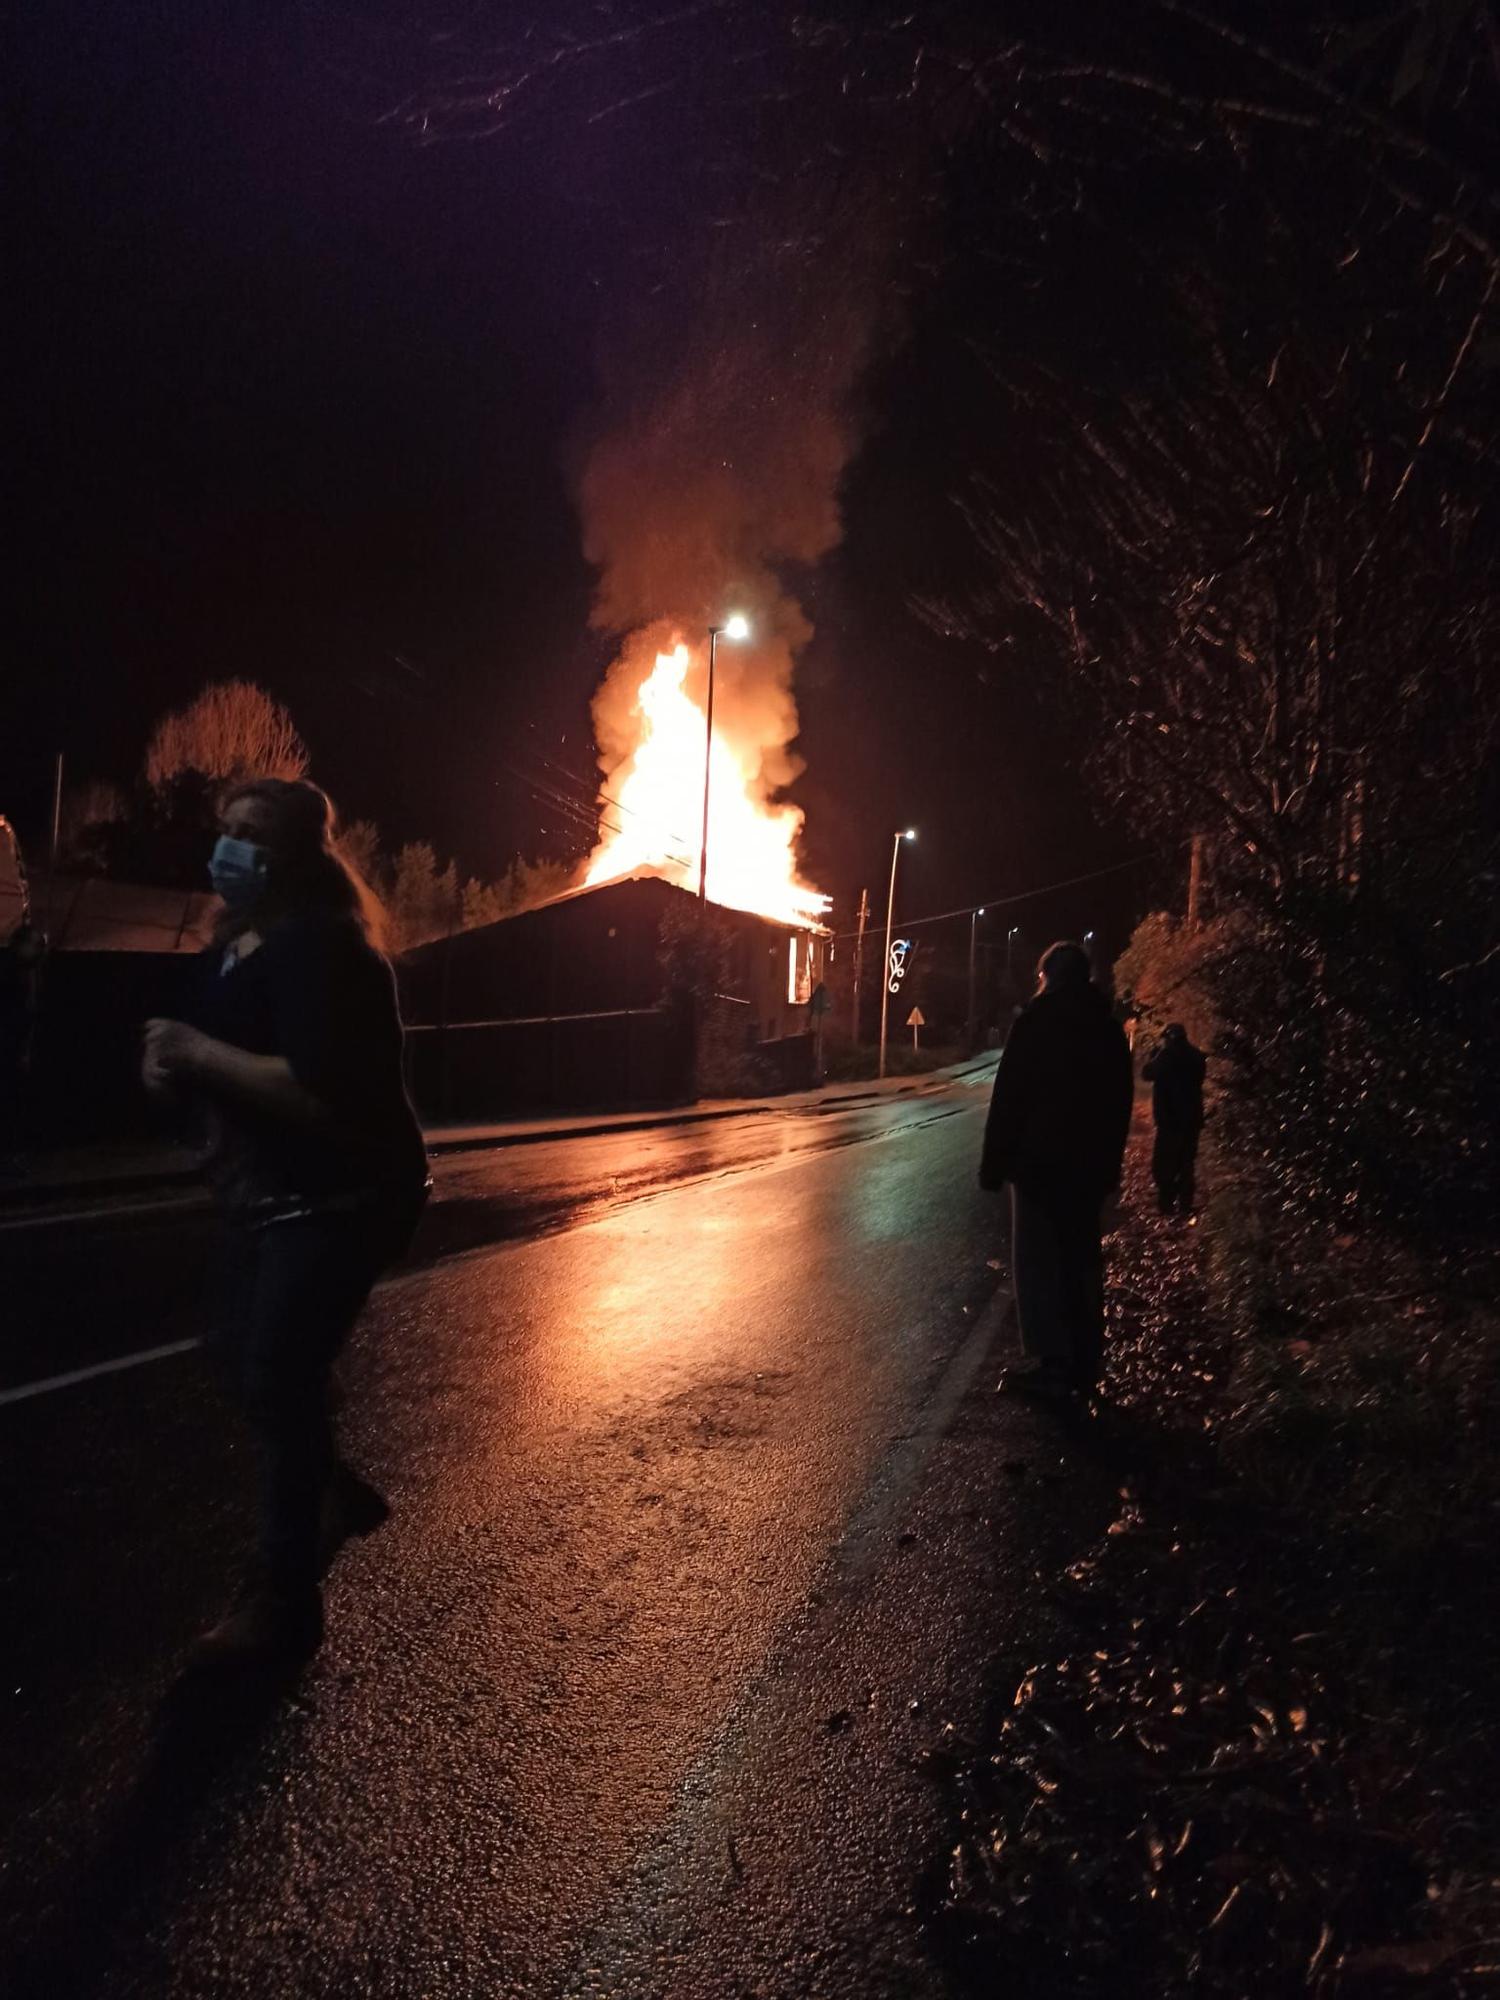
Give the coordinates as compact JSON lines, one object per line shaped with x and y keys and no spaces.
{"x":653,"y":818}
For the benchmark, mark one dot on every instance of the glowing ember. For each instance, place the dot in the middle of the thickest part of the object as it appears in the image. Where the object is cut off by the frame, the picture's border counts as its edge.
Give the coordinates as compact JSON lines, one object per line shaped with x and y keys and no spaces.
{"x":654,"y":823}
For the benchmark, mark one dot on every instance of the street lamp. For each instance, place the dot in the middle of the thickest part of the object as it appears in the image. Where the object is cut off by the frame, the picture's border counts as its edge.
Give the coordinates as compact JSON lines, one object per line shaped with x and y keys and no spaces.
{"x":907,"y":833}
{"x":736,"y":626}
{"x":974,"y":916}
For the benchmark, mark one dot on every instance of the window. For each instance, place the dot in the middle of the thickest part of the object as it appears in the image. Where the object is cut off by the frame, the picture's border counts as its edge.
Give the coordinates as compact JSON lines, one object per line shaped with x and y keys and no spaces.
{"x":799,"y":977}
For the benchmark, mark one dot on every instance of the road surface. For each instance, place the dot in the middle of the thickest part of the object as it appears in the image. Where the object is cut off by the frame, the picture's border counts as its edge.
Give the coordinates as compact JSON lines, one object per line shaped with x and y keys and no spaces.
{"x":709,"y":1530}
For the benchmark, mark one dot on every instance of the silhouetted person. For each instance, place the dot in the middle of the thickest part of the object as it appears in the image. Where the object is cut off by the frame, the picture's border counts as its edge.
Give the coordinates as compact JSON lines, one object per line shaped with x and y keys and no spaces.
{"x":1175,"y":1071}
{"x":1057,"y":1128}
{"x":294,"y":1054}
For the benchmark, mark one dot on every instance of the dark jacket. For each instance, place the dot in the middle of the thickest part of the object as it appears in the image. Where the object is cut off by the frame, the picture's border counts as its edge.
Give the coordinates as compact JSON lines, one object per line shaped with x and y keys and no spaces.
{"x":1175,"y":1072}
{"x":1060,"y":1114}
{"x":316,"y":993}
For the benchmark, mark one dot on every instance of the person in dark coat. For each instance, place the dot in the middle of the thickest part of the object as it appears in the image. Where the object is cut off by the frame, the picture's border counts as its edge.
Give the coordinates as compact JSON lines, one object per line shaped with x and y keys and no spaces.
{"x":1175,"y":1070}
{"x":1058,"y":1122}
{"x":292,"y":1056}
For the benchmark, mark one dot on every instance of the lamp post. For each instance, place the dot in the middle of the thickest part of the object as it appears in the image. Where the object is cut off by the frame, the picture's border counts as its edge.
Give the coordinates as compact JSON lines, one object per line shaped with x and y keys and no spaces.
{"x":1010,"y":940}
{"x":974,"y":916}
{"x":735,"y":627}
{"x":908,"y":833}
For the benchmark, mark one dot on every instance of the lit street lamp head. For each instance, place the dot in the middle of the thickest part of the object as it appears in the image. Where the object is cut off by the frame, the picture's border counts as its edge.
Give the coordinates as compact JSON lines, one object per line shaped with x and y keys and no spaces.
{"x":737,"y":626}
{"x":910,"y":833}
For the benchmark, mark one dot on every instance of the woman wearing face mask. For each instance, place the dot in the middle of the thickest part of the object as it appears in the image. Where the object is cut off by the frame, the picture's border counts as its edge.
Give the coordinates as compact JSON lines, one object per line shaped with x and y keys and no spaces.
{"x":294,"y":1057}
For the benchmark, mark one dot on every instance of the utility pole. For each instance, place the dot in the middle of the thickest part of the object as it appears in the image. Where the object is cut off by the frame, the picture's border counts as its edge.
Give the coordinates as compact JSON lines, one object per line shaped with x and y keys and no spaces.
{"x":859,"y":956}
{"x":1195,"y":881}
{"x":708,"y":765}
{"x":973,"y":1023}
{"x":735,"y":627}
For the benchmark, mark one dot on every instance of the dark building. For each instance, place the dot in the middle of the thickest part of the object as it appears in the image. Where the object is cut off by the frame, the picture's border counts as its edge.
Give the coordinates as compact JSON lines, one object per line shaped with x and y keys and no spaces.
{"x":588,"y":1001}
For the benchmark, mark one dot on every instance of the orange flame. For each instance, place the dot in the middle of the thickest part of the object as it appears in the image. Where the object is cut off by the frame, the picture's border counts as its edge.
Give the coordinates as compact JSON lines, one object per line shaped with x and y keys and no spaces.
{"x":654,"y":819}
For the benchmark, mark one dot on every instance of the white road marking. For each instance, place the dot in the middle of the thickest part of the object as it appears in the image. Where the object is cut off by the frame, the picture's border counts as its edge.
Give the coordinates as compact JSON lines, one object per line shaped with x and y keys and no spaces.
{"x":73,"y":1375}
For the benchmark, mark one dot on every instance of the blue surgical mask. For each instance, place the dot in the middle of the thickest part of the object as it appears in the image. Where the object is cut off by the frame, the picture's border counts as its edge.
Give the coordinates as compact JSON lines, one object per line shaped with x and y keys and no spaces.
{"x":237,"y":869}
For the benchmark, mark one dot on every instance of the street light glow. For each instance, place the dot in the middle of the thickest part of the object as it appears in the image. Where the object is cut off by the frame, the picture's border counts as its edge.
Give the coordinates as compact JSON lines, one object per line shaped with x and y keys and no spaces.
{"x":910,"y":833}
{"x":737,"y":626}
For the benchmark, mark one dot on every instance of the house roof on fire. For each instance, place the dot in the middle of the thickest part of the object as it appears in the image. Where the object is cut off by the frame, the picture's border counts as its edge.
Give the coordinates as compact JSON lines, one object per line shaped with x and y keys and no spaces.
{"x":643,"y":875}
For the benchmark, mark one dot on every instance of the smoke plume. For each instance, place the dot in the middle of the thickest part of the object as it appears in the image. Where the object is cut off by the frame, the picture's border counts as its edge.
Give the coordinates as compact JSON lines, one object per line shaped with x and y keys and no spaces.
{"x":715,"y":478}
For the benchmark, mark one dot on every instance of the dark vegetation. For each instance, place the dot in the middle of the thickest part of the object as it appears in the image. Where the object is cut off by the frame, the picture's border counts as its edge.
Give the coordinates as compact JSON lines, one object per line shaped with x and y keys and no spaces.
{"x":1250,"y":520}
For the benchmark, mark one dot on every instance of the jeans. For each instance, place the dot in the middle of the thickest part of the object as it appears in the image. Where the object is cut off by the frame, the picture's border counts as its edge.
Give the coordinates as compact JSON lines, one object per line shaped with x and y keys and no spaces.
{"x":1057,"y":1258}
{"x":300,"y":1288}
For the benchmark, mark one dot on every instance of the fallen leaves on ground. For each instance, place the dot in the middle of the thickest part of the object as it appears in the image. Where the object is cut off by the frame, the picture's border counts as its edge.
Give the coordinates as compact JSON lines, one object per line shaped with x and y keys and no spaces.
{"x":1221,"y":1787}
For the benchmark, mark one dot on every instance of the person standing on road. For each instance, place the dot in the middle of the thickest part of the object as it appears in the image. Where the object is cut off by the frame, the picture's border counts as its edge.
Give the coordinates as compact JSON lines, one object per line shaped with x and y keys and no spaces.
{"x":1058,"y":1122}
{"x":1175,"y":1071}
{"x":293,"y":1057}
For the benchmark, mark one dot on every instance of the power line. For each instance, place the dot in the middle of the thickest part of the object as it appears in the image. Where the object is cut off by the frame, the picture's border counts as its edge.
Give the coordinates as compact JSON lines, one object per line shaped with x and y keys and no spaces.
{"x":587,"y":787}
{"x":674,"y":846}
{"x":581,"y":819}
{"x":1004,"y":902}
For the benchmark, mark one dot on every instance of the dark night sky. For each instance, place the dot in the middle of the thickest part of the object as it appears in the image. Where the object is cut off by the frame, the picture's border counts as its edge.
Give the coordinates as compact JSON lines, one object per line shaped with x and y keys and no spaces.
{"x":297,"y":400}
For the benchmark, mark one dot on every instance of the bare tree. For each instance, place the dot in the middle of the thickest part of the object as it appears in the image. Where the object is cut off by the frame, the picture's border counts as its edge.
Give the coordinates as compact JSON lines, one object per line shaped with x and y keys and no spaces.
{"x":232,"y":730}
{"x":1244,"y":519}
{"x":1270,"y":606}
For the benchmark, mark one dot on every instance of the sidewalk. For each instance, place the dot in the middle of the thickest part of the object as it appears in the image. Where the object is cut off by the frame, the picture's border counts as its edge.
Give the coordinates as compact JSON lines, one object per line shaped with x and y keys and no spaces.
{"x":111,"y":1169}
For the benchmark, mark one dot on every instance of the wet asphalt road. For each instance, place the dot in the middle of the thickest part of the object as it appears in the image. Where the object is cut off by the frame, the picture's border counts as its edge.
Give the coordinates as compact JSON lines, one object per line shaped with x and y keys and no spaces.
{"x":709,"y":1526}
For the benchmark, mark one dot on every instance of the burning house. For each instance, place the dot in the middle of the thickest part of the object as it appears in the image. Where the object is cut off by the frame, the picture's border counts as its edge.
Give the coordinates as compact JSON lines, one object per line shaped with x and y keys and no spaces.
{"x":612,"y":994}
{"x":629,"y":989}
{"x":715,"y":468}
